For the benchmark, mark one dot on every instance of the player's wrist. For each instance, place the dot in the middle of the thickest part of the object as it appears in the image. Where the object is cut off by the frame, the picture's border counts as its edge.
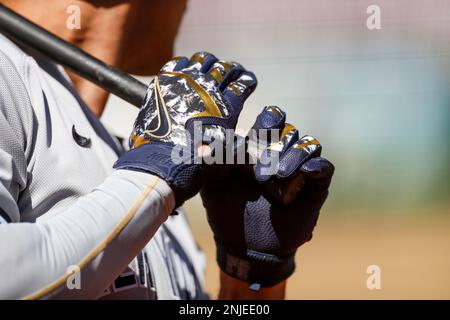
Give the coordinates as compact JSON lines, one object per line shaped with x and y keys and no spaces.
{"x":235,"y":289}
{"x":184,"y":177}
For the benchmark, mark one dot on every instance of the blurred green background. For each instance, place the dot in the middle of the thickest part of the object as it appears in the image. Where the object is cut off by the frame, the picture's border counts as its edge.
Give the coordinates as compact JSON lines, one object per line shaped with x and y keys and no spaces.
{"x":379,"y":103}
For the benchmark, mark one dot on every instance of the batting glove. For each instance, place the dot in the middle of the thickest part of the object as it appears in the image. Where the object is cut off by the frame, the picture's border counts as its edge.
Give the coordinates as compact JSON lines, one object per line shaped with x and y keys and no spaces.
{"x":187,"y":93}
{"x":257,"y":235}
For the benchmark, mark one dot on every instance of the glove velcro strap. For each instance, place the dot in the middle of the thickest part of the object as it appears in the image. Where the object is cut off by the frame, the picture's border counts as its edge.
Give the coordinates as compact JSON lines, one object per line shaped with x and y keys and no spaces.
{"x":153,"y":157}
{"x":156,"y":158}
{"x":264,"y":269}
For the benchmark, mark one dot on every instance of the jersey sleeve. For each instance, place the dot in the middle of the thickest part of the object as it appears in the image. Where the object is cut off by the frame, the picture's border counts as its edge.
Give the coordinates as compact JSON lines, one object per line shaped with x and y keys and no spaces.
{"x":92,"y":241}
{"x":79,"y":252}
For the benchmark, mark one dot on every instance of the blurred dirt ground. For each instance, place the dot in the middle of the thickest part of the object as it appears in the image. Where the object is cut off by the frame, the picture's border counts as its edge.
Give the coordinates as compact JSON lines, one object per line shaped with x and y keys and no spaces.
{"x":412,"y":250}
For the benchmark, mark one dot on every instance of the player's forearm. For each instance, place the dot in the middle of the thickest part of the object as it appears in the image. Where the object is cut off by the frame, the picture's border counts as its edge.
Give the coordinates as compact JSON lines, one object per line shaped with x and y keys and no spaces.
{"x":100,"y":234}
{"x":235,"y":289}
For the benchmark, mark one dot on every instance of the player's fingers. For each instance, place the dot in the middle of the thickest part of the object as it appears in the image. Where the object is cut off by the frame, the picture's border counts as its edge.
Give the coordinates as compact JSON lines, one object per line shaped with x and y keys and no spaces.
{"x":272,"y":117}
{"x":177,"y":63}
{"x":300,"y":152}
{"x":266,"y":129}
{"x":318,"y":171}
{"x":223,"y":72}
{"x":268,"y":163}
{"x":240,"y":89}
{"x":201,"y":61}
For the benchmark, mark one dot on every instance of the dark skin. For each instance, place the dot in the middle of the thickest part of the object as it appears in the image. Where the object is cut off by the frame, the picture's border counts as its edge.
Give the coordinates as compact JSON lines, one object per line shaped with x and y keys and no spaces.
{"x":110,"y":30}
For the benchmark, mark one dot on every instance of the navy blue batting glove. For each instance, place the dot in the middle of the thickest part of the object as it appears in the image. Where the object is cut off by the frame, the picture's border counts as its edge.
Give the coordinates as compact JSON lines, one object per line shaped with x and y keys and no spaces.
{"x":256,"y":234}
{"x":201,"y":93}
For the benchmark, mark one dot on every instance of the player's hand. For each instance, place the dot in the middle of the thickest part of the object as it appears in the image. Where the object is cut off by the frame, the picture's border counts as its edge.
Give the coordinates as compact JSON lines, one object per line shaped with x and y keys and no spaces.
{"x":256,"y":235}
{"x":199,"y":94}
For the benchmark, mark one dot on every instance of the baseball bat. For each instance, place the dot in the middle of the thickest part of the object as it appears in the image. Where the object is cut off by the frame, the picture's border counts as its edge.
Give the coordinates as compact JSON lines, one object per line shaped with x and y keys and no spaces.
{"x":113,"y":80}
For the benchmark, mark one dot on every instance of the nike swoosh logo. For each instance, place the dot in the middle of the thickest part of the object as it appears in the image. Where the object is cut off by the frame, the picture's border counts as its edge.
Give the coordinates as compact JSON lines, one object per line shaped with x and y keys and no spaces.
{"x":79,"y":139}
{"x":164,"y":126}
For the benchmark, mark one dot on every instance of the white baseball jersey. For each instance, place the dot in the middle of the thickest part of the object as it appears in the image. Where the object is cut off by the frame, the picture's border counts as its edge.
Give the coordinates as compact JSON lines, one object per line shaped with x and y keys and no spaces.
{"x":62,"y":205}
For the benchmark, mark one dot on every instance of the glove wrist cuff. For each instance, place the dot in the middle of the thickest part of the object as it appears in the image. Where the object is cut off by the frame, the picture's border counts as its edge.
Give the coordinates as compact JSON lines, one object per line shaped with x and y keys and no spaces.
{"x":264,"y":269}
{"x":156,"y":158}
